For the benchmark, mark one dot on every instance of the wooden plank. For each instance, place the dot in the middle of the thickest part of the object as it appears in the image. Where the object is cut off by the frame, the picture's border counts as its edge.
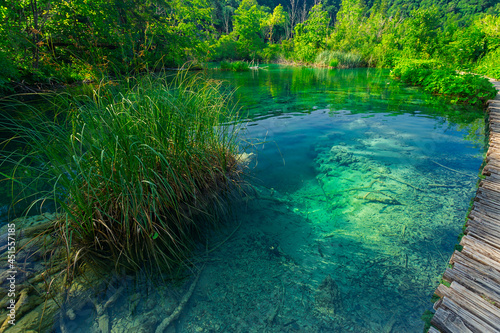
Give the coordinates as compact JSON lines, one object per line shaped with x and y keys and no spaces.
{"x":475,"y":274}
{"x":448,"y":322}
{"x":485,"y":207}
{"x":476,"y":269}
{"x":432,"y":330}
{"x":484,"y":237}
{"x":487,"y":183}
{"x":485,"y":222}
{"x":475,"y":215}
{"x":488,"y":193}
{"x":494,"y":174}
{"x":478,"y":307}
{"x":471,"y":321}
{"x":480,"y":258}
{"x":488,"y":197}
{"x":492,"y":155}
{"x":479,"y":207}
{"x":490,"y":203}
{"x":479,"y":284}
{"x":488,"y":271}
{"x":483,"y":226}
{"x":480,"y":247}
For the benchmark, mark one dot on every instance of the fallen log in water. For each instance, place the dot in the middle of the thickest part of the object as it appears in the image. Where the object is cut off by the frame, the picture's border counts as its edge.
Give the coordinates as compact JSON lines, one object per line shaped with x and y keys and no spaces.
{"x":378,"y":197}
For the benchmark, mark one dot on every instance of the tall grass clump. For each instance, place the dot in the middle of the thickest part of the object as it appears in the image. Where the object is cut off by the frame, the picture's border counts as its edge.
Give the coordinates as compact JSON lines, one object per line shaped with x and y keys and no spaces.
{"x":225,"y":65}
{"x":339,"y":59}
{"x":136,"y":173}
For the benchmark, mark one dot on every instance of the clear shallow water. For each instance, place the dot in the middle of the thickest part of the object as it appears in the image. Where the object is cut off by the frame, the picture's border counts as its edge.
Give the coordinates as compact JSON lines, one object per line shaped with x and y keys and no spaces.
{"x":361,"y":189}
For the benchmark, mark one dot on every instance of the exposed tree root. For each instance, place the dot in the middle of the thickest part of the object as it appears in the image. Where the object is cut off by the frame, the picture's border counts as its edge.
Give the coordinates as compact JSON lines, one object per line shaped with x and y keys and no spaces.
{"x":102,"y":313}
{"x":167,"y":321}
{"x":22,"y":298}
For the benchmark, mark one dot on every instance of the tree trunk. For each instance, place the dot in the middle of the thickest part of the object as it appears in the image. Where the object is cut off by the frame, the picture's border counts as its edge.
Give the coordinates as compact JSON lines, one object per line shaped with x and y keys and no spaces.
{"x":36,"y":34}
{"x":293,"y":16}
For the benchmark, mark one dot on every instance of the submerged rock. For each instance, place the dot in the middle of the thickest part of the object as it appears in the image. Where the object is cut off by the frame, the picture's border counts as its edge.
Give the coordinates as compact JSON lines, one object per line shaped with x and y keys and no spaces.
{"x":342,"y":156}
{"x":328,"y":297}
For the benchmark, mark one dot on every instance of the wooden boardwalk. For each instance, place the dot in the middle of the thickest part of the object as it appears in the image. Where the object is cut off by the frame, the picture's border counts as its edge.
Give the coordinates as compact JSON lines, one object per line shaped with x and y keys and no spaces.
{"x":472,"y":302}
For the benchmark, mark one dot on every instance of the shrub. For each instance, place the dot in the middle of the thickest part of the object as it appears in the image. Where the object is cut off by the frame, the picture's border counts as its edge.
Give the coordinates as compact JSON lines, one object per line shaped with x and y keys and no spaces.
{"x":137,"y":173}
{"x":270,"y":52}
{"x":226,"y":47}
{"x":489,"y":65}
{"x":240,"y":66}
{"x":8,"y":72}
{"x":465,"y":88}
{"x":334,"y":62}
{"x":414,"y":71}
{"x":225,"y":65}
{"x":436,"y":78}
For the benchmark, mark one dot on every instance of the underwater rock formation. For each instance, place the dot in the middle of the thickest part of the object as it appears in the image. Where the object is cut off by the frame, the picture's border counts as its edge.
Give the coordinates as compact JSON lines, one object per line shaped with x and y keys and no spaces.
{"x":328,"y":297}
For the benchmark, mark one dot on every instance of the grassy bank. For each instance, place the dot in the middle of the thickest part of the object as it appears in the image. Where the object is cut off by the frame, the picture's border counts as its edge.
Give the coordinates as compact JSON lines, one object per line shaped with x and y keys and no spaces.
{"x":137,"y":171}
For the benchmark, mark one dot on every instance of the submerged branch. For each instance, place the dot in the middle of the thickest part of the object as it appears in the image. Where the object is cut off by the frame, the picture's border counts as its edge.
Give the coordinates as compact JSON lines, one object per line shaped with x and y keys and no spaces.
{"x":167,"y":321}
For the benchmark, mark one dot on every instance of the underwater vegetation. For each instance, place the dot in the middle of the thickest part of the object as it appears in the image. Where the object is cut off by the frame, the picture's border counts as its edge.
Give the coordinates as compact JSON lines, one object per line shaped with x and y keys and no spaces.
{"x":135,"y":171}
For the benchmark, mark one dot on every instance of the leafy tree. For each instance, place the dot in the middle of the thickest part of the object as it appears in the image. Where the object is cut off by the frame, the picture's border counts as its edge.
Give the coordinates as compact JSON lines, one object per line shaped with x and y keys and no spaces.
{"x":278,"y":18}
{"x":310,"y":36}
{"x":421,"y":33}
{"x":248,"y":20}
{"x":348,"y":31}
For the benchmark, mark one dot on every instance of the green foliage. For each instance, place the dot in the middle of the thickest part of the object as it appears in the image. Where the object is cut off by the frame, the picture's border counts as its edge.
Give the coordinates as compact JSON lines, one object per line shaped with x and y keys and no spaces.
{"x":348,"y":25}
{"x":248,"y":20}
{"x":225,"y":65}
{"x":8,"y":72}
{"x":64,"y":41}
{"x":271,"y":52}
{"x":237,"y":66}
{"x":339,"y":59}
{"x":427,"y":317}
{"x":415,"y":71}
{"x":421,"y":33}
{"x":310,"y":36}
{"x":334,"y":62}
{"x":462,"y":46}
{"x":226,"y":47}
{"x":490,"y":65}
{"x":438,"y":79}
{"x":277,"y":18}
{"x":240,"y":66}
{"x":135,"y":172}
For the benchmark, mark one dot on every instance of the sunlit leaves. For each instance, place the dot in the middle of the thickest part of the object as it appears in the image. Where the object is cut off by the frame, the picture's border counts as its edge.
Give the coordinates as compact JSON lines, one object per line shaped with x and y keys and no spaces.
{"x":310,"y":36}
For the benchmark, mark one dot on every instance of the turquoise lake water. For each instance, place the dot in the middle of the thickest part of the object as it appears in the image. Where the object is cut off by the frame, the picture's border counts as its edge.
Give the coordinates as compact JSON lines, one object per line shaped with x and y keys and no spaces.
{"x":360,"y":190}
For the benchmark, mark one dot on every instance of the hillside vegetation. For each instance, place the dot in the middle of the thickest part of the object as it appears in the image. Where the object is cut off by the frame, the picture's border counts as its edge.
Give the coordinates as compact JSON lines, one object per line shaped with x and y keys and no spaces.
{"x":57,"y":42}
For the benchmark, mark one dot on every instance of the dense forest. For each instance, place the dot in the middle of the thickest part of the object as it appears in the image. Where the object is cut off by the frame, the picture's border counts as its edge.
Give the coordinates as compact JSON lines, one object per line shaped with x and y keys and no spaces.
{"x":54,"y":42}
